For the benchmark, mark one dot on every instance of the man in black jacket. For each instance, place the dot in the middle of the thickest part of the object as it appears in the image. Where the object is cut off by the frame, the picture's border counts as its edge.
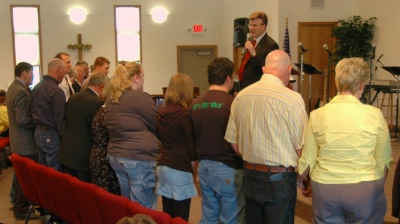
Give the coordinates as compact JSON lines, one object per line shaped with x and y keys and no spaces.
{"x":77,"y":138}
{"x":257,"y":49}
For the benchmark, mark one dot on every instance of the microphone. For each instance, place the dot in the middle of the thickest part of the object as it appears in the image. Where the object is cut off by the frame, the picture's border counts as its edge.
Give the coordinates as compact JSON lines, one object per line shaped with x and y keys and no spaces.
{"x":373,"y":50}
{"x":236,"y":78}
{"x":379,"y":58}
{"x":249,"y":38}
{"x":327,"y":50}
{"x":302,"y":48}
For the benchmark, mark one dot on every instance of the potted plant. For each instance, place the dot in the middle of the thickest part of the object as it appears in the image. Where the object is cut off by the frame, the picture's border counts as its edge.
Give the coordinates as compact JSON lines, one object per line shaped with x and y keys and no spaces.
{"x":353,"y":37}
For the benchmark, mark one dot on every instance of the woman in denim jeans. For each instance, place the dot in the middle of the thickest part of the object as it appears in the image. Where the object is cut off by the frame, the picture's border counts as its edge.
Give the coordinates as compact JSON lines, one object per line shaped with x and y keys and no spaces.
{"x":131,"y":118}
{"x":178,"y":156}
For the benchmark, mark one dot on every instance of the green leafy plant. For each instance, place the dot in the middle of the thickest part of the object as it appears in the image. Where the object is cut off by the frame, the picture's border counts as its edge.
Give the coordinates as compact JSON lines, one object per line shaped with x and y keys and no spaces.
{"x":354,"y":36}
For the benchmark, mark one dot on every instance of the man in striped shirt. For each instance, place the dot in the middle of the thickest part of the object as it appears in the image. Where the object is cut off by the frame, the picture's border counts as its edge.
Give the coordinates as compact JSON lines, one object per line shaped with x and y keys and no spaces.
{"x":266,"y":125}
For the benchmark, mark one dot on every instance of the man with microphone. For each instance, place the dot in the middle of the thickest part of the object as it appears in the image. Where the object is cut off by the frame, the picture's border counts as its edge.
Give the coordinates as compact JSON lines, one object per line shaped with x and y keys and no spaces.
{"x":257,"y":47}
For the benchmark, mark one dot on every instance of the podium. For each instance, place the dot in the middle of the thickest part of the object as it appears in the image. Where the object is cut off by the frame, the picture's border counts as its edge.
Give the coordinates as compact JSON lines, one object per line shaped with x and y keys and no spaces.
{"x":310,"y":70}
{"x":395,"y":71}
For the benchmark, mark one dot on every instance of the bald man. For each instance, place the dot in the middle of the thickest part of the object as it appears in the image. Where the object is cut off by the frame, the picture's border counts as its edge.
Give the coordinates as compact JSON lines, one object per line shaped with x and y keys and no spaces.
{"x":266,"y":127}
{"x":48,"y":113}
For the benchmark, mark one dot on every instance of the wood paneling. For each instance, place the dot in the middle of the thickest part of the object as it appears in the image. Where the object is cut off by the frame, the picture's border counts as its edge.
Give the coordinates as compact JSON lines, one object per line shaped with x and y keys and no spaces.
{"x":314,"y":35}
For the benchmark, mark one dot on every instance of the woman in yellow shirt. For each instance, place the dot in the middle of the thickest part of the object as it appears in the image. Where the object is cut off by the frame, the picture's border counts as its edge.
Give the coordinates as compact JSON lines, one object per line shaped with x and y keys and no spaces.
{"x":347,"y":153}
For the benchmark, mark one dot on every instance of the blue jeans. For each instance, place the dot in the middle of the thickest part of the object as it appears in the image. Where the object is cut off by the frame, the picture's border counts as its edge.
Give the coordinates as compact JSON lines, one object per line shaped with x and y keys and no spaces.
{"x":269,"y":201}
{"x":48,"y":142}
{"x":137,"y":180}
{"x":221,"y":191}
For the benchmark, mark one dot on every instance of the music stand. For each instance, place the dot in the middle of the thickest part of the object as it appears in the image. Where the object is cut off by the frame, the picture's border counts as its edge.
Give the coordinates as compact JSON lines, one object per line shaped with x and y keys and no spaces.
{"x":395,"y":71}
{"x":295,"y":72}
{"x":310,"y":70}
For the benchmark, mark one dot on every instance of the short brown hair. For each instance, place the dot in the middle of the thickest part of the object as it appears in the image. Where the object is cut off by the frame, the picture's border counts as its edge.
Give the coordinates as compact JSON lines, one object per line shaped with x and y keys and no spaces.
{"x":21,"y":67}
{"x":100,"y":61}
{"x":60,"y":54}
{"x":259,"y":15}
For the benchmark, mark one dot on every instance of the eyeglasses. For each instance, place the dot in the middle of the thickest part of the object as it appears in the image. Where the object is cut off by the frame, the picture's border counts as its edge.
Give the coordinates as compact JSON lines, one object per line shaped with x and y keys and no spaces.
{"x":254,"y":25}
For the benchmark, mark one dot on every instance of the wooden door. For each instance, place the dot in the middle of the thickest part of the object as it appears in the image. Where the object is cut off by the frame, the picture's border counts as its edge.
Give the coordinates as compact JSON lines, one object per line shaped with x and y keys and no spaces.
{"x":313,"y":35}
{"x":193,"y":61}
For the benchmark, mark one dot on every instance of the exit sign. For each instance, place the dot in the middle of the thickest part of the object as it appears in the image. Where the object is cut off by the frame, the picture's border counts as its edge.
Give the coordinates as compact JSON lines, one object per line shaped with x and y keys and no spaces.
{"x":197,"y":28}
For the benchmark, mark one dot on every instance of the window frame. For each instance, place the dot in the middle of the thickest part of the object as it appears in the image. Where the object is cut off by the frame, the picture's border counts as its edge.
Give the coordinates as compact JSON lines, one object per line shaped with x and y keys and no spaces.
{"x":139,"y":33}
{"x":39,"y":34}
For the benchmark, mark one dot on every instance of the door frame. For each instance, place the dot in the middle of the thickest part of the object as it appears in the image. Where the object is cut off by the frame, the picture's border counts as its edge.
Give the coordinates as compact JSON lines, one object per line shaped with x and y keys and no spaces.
{"x":214,"y":49}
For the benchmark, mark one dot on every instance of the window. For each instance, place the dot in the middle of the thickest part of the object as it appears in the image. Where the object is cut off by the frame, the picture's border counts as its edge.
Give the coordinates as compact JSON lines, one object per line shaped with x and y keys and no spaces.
{"x":26,"y":37}
{"x":128,"y":33}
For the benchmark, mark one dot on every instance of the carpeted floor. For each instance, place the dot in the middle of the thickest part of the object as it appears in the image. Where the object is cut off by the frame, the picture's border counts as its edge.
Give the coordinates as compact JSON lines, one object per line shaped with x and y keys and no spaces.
{"x":303,"y":208}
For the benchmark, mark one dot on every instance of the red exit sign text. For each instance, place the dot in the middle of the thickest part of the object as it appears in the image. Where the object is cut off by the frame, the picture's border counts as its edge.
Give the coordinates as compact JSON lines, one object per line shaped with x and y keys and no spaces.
{"x":197,"y":28}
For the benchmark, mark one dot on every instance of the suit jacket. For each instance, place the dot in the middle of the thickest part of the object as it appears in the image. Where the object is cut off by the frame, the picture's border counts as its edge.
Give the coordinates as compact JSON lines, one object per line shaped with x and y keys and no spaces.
{"x":77,"y":88}
{"x":21,"y":130}
{"x":253,"y":69}
{"x":77,"y":138}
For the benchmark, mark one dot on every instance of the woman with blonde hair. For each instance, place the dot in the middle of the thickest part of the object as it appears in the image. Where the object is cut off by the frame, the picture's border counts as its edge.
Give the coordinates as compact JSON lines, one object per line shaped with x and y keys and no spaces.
{"x":131,"y":119}
{"x":347,"y":153}
{"x":176,"y":168}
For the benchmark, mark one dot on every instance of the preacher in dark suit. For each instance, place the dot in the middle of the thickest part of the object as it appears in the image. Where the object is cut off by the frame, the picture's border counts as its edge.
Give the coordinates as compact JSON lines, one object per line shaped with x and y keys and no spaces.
{"x":251,"y":69}
{"x":21,"y":126}
{"x":77,"y":138}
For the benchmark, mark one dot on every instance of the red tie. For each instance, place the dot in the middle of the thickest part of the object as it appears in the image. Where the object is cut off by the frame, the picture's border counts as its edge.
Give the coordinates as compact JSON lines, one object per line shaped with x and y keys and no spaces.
{"x":245,"y":59}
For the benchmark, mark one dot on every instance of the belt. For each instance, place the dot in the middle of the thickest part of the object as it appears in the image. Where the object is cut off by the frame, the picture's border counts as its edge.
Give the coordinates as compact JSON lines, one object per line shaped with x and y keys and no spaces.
{"x":266,"y":168}
{"x":44,"y":128}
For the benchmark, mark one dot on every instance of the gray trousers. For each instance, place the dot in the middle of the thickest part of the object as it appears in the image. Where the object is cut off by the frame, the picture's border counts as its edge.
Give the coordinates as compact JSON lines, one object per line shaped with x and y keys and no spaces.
{"x":362,"y":202}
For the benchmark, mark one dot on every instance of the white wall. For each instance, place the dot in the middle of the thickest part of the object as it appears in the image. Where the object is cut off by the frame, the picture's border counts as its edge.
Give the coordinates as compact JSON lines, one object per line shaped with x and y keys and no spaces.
{"x":387,"y":31}
{"x":301,"y":11}
{"x":160,"y":40}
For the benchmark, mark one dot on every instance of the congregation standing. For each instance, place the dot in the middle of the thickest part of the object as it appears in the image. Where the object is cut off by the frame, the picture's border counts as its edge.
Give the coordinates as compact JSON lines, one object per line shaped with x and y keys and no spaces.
{"x":245,"y":150}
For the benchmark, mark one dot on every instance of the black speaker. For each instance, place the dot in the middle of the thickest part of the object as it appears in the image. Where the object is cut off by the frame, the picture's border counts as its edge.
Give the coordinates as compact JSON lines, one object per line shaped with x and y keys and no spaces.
{"x":240,"y":30}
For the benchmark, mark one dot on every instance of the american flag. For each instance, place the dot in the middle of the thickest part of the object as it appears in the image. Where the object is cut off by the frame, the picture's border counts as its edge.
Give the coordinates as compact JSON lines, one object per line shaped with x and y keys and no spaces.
{"x":286,"y":46}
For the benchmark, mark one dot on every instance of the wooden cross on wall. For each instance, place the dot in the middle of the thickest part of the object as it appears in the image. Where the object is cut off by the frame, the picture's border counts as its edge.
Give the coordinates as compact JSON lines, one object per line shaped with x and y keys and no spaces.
{"x":80,"y":46}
